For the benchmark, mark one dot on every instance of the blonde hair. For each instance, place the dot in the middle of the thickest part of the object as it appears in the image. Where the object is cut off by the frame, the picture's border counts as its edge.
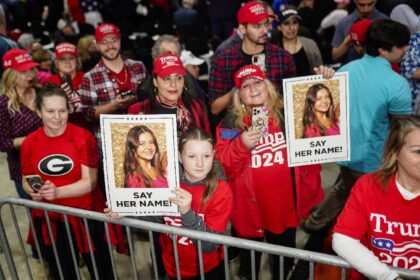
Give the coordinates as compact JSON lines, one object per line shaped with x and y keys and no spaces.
{"x":275,"y":104}
{"x":8,"y":83}
{"x":400,"y":128}
{"x":83,"y":45}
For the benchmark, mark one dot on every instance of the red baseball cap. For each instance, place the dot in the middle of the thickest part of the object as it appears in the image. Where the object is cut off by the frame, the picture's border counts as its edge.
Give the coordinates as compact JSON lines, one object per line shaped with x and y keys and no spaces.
{"x":252,"y":12}
{"x":167,"y":64}
{"x":246,"y":72}
{"x":106,"y":29}
{"x":358,"y":31}
{"x":65,"y":48}
{"x":19,"y":60}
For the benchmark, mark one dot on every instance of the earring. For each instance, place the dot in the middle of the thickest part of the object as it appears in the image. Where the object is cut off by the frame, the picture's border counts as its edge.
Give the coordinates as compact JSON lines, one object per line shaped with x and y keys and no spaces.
{"x":155,"y":90}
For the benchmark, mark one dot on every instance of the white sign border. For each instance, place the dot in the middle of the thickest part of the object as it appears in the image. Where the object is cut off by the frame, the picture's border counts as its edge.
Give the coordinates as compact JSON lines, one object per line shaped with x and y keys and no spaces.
{"x":129,"y":195}
{"x":303,"y":146}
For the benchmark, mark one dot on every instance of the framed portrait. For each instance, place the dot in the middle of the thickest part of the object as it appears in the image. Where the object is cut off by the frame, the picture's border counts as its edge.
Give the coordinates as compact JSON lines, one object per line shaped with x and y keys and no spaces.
{"x":140,"y":163}
{"x":317,"y":119}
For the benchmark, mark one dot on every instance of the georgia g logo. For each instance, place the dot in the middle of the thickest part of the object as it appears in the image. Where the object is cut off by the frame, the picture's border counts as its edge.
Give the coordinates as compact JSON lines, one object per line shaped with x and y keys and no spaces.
{"x":56,"y":165}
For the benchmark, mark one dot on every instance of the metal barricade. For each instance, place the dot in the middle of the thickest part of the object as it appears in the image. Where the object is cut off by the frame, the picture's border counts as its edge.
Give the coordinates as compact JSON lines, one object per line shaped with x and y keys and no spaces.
{"x":14,"y":231}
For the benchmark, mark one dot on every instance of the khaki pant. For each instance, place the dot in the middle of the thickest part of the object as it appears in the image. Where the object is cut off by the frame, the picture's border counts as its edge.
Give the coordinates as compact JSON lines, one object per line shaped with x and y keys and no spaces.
{"x":335,"y":201}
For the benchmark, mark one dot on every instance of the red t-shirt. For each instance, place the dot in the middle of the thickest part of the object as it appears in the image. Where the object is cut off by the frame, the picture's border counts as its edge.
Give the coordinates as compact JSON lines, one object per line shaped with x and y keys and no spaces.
{"x":273,"y":181}
{"x":122,"y":79}
{"x":384,"y":221}
{"x":59,"y":159}
{"x":215,"y":215}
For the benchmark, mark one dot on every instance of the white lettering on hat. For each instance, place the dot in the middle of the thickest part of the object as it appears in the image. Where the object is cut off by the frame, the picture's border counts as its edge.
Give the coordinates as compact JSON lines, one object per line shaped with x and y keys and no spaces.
{"x":167,"y":59}
{"x":66,"y":49}
{"x":289,"y":12}
{"x":106,"y":28}
{"x":257,"y":9}
{"x":246,"y":72}
{"x":22,"y":58}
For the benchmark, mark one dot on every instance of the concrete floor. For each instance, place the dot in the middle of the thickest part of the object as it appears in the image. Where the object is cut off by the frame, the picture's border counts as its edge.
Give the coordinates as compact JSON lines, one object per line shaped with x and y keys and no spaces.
{"x":142,"y":248}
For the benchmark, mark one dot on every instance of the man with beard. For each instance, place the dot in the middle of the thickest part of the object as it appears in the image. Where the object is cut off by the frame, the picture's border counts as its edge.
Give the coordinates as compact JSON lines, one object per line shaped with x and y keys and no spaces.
{"x":110,"y":86}
{"x":254,"y":24}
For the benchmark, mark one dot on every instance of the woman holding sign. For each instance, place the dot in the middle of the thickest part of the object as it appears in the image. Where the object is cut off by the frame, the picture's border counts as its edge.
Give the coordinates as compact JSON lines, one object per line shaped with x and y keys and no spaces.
{"x":379,"y":225}
{"x":319,"y":113}
{"x":59,"y":166}
{"x":142,"y":163}
{"x":269,"y":196}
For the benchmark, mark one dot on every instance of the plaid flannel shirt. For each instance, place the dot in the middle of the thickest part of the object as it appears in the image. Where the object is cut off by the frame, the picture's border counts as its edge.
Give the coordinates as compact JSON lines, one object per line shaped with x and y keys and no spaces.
{"x":97,"y":88}
{"x":278,"y":62}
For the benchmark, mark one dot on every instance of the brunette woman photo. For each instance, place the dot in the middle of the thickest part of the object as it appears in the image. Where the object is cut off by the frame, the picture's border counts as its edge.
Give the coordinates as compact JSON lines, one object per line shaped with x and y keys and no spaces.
{"x":143,"y":166}
{"x":319,"y":113}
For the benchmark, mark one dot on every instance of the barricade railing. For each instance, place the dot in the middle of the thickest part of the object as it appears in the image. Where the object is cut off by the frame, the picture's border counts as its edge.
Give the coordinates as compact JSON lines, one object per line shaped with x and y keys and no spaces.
{"x":150,"y":227}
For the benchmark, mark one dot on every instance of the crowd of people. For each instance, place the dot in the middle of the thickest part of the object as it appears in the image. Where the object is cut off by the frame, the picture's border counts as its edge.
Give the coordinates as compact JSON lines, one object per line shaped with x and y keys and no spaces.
{"x":71,"y":67}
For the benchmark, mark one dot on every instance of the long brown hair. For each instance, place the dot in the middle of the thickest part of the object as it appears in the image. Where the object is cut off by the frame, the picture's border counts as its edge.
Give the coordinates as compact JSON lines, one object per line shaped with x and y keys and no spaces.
{"x":275,"y":105}
{"x":131,"y":165}
{"x":309,"y":118}
{"x":400,"y":128}
{"x":211,"y":179}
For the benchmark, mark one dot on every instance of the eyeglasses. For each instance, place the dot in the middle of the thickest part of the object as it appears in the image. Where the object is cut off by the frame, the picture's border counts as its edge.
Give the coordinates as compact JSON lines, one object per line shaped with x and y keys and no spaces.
{"x":109,"y":42}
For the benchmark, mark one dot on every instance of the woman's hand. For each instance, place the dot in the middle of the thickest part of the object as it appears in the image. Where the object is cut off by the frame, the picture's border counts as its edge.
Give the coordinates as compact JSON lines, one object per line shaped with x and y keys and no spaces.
{"x":250,"y":138}
{"x":325,"y":71}
{"x":182,"y":199}
{"x":35,"y":196}
{"x":49,"y":191}
{"x":108,"y":212}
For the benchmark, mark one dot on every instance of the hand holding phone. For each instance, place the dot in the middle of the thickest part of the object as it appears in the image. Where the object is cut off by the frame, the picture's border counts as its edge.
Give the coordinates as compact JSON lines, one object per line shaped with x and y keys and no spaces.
{"x":259,"y":60}
{"x":260,"y":119}
{"x":126,"y":93}
{"x":35,"y":182}
{"x":67,"y":79}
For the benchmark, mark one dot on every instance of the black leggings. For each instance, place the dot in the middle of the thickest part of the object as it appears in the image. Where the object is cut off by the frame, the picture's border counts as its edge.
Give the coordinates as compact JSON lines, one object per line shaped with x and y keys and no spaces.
{"x":287,"y":238}
{"x":101,"y":254}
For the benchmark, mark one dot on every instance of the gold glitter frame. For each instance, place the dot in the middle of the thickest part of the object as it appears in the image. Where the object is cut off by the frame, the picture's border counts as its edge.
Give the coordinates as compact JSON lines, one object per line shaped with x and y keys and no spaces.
{"x":119,"y":135}
{"x":299,"y":95}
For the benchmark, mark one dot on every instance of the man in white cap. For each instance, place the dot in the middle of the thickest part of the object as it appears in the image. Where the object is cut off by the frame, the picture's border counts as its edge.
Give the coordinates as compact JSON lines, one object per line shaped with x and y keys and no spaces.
{"x":191,"y":63}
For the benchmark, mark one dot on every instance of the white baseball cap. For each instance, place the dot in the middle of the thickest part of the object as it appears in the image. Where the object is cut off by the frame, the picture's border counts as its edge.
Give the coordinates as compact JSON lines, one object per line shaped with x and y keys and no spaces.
{"x":188,"y":58}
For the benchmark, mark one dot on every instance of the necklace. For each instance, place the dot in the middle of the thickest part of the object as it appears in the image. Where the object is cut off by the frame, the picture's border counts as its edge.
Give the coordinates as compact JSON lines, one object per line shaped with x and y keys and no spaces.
{"x":125,"y":77}
{"x":291,"y":47}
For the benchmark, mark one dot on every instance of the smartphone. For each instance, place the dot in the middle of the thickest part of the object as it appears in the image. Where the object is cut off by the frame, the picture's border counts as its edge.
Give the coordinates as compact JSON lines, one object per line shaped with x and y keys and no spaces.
{"x":126,"y":93}
{"x":260,"y":119}
{"x":259,"y":60}
{"x":67,"y":79}
{"x":35,"y":182}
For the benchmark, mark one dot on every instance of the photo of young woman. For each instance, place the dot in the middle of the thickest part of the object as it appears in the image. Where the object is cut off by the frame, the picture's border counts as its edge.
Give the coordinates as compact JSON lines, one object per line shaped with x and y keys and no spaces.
{"x":320,"y":116}
{"x":143,"y":165}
